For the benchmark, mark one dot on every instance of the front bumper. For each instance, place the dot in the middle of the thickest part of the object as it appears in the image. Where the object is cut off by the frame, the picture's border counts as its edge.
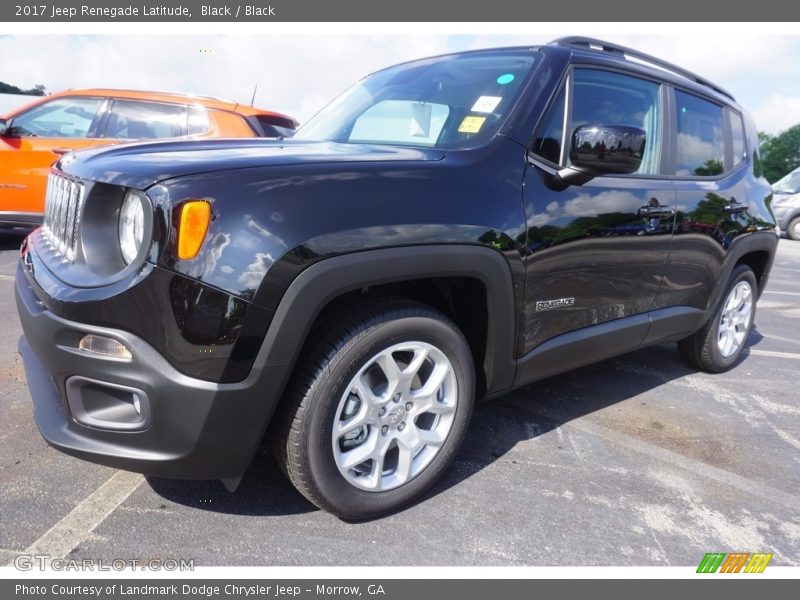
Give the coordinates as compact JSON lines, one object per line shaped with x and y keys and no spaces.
{"x":190,"y":428}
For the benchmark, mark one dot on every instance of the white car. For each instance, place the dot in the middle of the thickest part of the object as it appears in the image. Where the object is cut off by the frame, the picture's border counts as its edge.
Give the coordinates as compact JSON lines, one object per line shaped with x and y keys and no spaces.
{"x":786,"y":203}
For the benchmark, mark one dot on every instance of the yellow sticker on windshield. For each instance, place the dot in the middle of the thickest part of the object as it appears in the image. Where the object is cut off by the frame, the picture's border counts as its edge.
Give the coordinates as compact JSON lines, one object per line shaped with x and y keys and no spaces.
{"x":471,"y":124}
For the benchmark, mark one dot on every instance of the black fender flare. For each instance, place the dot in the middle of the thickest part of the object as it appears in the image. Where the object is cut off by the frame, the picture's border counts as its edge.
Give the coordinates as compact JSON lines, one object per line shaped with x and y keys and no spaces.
{"x":328,"y":279}
{"x":765,"y":241}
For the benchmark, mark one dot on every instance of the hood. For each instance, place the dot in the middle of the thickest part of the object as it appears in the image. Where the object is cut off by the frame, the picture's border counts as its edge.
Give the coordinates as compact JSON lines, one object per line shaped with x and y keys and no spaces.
{"x":141,"y":165}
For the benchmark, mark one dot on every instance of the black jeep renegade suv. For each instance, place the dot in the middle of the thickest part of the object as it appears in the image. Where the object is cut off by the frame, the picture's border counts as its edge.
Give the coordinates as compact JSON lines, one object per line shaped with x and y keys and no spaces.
{"x":447,"y":229}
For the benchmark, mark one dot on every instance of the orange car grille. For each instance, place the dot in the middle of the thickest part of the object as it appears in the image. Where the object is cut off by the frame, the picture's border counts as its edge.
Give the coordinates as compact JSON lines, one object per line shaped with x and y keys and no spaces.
{"x":62,"y":213}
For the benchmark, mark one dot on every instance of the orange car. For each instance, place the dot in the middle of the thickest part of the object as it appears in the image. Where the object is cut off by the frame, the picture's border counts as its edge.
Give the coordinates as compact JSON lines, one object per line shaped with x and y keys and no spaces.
{"x":33,"y":136}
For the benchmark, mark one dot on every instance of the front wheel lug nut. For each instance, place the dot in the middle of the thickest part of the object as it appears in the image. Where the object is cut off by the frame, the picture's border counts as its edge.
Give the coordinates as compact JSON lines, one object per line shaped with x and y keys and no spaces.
{"x":383,"y":411}
{"x":401,"y":426}
{"x":397,"y":397}
{"x":408,"y":405}
{"x":385,"y":429}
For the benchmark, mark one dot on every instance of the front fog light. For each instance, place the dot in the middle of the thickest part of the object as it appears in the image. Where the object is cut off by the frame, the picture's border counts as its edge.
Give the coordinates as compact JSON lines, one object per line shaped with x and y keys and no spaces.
{"x":131,"y":226}
{"x":98,"y":344}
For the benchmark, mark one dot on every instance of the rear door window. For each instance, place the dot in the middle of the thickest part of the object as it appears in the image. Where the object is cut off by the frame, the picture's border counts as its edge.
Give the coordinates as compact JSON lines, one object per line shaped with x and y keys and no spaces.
{"x":133,"y":119}
{"x":198,"y":120}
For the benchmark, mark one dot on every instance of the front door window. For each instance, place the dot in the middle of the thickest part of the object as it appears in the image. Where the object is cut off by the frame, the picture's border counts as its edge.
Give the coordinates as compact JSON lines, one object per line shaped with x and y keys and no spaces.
{"x":62,"y":118}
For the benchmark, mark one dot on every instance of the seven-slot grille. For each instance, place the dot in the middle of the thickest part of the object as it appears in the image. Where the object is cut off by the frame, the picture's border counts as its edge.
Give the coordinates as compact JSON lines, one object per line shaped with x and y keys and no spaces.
{"x":62,"y":213}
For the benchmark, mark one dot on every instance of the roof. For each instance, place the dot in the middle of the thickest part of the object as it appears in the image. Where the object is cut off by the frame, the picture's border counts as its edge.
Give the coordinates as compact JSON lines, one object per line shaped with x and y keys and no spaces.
{"x":623,"y":52}
{"x":206,"y":101}
{"x":601,"y":51}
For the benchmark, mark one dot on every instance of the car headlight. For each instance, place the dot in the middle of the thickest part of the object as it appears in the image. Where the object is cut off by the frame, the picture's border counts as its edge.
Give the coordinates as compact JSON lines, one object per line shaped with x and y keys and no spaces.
{"x":131,"y":226}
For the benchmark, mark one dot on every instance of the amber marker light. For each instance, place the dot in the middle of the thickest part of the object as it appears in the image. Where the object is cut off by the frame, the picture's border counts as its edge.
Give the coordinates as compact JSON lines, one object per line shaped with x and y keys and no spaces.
{"x":195,"y":216}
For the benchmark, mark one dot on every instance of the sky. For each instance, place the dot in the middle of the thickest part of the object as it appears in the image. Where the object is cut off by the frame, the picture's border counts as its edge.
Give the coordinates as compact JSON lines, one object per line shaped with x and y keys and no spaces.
{"x":299,"y":74}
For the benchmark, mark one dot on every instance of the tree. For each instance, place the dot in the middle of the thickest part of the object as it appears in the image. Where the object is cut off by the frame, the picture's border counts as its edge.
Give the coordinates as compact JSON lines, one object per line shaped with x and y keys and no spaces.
{"x":710,"y":167}
{"x":37,"y":90}
{"x":780,"y":154}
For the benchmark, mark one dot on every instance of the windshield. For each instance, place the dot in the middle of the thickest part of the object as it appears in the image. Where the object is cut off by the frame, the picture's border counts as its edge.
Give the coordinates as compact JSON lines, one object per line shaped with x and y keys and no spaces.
{"x":789,"y":184}
{"x":446,"y":102}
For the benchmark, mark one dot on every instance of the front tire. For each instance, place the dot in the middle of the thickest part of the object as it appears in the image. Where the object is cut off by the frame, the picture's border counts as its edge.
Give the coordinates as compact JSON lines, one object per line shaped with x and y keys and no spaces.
{"x":718,"y":345}
{"x":377,"y":408}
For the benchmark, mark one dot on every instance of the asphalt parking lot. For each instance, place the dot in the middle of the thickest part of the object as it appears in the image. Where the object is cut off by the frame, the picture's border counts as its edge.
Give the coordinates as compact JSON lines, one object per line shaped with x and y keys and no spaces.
{"x":634,"y":461}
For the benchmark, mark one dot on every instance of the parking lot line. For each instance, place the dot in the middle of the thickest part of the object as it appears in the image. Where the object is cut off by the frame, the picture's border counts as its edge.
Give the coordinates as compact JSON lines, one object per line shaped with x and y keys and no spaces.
{"x":772,"y":336}
{"x":781,"y":304}
{"x":772,"y":353}
{"x":782,"y":293}
{"x":78,"y":525}
{"x":754,"y":488}
{"x":6,"y":278}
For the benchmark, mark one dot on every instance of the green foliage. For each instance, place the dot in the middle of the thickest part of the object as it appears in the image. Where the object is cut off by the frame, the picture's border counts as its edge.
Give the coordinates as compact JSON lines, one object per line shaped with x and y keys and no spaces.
{"x":780,"y":154}
{"x":709,"y":168}
{"x":37,"y":90}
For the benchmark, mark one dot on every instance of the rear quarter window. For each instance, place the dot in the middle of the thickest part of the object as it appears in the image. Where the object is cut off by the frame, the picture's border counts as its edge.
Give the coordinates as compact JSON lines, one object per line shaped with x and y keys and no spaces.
{"x":737,"y":137}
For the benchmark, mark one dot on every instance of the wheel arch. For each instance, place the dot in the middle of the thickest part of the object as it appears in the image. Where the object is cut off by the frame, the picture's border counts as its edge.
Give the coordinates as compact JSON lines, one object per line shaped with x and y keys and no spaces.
{"x":328,"y":280}
{"x":757,"y":251}
{"x":758,"y":260}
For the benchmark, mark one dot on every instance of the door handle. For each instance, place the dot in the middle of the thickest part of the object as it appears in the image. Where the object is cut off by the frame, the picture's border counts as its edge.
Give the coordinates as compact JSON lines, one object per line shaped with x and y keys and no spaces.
{"x":61,"y":151}
{"x":656,"y":211}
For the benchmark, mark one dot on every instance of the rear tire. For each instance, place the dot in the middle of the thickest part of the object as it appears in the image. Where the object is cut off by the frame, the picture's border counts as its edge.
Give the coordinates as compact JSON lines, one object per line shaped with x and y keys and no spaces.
{"x":793,"y":229}
{"x":718,"y":345}
{"x":377,"y":407}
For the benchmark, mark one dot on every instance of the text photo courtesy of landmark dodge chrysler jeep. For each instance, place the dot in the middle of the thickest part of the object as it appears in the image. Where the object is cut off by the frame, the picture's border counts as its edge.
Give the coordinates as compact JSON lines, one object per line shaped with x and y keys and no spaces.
{"x":446,"y":230}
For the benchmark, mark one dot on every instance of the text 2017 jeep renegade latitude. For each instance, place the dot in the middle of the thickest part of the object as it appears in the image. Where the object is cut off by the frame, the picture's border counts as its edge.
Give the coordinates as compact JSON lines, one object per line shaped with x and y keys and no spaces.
{"x":447,"y":229}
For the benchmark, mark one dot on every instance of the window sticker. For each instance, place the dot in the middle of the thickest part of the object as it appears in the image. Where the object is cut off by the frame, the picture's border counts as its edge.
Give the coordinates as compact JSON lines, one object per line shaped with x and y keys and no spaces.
{"x":471,"y":124}
{"x":505,"y":78}
{"x":486,"y":104}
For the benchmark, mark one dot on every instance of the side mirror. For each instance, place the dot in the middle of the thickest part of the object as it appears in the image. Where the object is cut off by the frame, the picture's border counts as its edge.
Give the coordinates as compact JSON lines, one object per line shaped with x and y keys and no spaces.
{"x":603,"y":150}
{"x":3,"y":127}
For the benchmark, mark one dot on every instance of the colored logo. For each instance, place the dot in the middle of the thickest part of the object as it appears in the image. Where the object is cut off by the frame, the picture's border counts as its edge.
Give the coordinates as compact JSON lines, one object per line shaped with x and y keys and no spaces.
{"x":734,"y":562}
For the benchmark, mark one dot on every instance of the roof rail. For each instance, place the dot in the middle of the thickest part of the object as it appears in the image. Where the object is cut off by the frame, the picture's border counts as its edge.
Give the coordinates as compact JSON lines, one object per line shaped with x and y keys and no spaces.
{"x":163,"y":92}
{"x":587,"y":43}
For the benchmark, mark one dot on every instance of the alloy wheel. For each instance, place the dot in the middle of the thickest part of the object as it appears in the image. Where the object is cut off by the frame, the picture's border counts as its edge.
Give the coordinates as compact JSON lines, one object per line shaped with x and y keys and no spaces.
{"x":394,"y":416}
{"x":734,"y":323}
